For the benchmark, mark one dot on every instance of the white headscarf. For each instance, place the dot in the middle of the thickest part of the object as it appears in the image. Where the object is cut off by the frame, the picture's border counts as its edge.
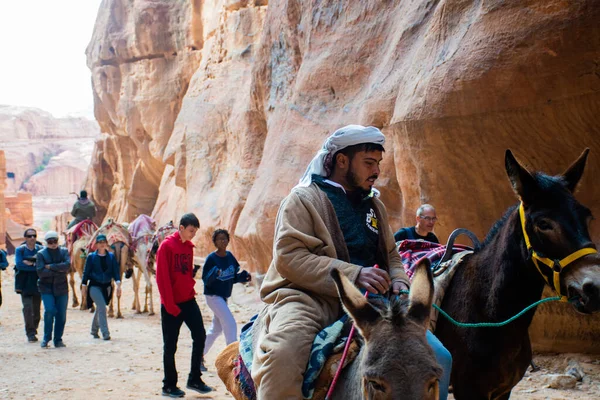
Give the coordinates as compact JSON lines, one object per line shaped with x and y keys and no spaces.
{"x":344,"y":137}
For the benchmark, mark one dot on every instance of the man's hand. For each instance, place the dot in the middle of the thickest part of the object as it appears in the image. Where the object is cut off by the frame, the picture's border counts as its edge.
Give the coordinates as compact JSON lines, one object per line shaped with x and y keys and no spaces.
{"x":374,"y":280}
{"x":398,"y":286}
{"x":27,"y":262}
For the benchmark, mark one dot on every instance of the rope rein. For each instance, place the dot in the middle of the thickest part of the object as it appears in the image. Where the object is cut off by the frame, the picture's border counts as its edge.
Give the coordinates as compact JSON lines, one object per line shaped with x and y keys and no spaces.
{"x":490,"y":324}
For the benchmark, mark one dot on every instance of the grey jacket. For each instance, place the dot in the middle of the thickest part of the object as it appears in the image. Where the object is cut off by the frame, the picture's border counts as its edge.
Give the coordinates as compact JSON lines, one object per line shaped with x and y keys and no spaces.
{"x":53,"y":280}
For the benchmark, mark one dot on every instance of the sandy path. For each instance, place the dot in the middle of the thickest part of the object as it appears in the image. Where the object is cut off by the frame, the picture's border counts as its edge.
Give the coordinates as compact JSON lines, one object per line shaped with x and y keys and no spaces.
{"x":130,"y":365}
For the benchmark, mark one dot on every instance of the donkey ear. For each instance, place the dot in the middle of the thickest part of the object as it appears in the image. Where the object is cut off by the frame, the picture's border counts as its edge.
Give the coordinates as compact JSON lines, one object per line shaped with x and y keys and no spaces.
{"x":522,"y":182}
{"x":421,"y":293}
{"x":363,"y":314}
{"x":573,"y":174}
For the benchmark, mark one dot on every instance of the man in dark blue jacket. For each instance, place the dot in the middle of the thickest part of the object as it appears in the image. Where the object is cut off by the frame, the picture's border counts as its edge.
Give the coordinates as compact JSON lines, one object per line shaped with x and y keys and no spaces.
{"x":53,"y":264}
{"x":100,"y":270}
{"x":26,"y":282}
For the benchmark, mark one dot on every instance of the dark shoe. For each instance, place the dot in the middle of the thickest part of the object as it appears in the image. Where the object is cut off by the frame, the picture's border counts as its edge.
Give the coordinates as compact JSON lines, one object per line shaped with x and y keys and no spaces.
{"x":44,"y":344}
{"x":173,"y":392}
{"x":202,"y":366}
{"x":199,"y":386}
{"x":95,"y":335}
{"x":60,"y":344}
{"x":32,"y":339}
{"x":106,"y":337}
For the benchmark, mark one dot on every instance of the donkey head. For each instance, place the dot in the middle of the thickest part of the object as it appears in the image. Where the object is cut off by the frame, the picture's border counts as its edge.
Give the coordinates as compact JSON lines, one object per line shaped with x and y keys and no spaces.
{"x":557,"y":226}
{"x":396,"y":361}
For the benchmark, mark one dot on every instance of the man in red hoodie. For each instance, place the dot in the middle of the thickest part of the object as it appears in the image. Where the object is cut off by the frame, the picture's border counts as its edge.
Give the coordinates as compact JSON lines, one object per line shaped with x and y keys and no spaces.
{"x":175,"y":281}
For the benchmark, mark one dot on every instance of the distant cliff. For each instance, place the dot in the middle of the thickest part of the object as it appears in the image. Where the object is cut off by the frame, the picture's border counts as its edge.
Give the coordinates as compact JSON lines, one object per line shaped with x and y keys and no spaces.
{"x":45,"y":155}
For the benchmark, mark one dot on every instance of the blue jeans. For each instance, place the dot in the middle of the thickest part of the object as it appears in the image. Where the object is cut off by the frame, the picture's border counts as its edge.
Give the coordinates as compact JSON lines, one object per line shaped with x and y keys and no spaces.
{"x":55,"y":314}
{"x":444,"y":358}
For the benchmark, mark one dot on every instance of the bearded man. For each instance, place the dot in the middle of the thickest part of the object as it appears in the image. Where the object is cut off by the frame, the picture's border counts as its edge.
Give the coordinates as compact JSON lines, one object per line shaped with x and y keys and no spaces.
{"x":332,"y":218}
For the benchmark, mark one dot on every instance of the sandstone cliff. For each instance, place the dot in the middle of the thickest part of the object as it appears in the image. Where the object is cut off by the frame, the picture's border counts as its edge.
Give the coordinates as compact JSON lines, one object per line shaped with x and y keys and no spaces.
{"x":216,"y":107}
{"x":31,"y":138}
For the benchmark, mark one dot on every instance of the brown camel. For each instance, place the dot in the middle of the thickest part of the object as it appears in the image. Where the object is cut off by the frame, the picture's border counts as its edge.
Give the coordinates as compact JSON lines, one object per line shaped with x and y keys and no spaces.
{"x":141,"y":258}
{"x":395,"y":360}
{"x":78,"y":255}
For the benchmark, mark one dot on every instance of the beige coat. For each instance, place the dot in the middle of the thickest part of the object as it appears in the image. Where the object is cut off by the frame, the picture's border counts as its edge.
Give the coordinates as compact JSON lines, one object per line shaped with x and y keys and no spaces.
{"x":309,"y":242}
{"x":300,"y":294}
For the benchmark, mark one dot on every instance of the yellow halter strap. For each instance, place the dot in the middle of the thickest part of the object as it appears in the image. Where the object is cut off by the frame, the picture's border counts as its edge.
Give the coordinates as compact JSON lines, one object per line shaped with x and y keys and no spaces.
{"x":556,"y":266}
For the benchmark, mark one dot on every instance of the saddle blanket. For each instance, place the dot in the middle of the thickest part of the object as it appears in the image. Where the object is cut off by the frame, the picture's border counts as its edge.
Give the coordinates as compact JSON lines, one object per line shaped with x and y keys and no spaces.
{"x":412,"y":251}
{"x":329,"y":341}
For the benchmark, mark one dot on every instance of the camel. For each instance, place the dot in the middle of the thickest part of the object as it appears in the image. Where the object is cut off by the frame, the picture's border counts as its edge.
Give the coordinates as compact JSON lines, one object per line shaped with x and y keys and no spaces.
{"x":385,"y":367}
{"x":142,"y":233}
{"x":144,"y":246}
{"x":77,"y":239}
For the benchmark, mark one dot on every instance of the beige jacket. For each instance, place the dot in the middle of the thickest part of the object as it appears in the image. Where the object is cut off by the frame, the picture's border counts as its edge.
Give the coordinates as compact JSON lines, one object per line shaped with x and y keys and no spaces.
{"x":309,"y":242}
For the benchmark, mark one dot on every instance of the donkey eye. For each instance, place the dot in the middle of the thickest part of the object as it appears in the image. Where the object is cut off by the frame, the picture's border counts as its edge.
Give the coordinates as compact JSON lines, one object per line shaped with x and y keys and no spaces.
{"x":543,"y":225}
{"x":377,"y":386}
{"x":433,"y":385}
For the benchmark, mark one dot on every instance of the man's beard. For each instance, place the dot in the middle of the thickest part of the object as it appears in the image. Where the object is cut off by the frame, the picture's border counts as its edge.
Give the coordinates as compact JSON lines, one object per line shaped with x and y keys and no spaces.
{"x":355,"y":184}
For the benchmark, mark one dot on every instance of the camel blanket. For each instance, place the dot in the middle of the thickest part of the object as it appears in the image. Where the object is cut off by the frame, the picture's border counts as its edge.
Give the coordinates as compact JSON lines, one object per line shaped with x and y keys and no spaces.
{"x":114,"y":233}
{"x":142,"y":225}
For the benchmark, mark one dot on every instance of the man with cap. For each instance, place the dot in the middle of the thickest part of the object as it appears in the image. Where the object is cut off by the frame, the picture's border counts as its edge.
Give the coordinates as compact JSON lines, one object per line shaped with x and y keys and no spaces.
{"x":83,"y":209}
{"x":332,"y":218}
{"x":26,"y":282}
{"x":101,"y":268}
{"x":53,"y":264}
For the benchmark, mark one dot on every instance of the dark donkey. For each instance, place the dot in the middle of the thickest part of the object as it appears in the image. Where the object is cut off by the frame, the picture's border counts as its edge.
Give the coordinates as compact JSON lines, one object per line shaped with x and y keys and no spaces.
{"x":506,"y":274}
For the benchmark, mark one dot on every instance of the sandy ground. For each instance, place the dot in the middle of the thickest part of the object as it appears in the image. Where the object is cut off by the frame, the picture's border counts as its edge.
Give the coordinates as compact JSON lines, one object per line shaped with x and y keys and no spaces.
{"x":130,"y":365}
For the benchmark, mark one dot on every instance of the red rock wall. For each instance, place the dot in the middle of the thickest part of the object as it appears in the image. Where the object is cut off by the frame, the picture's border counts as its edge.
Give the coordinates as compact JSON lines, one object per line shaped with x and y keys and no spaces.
{"x":220,"y":113}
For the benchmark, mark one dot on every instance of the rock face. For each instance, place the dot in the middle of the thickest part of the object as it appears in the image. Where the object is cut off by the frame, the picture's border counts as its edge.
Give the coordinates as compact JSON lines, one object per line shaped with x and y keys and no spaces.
{"x":64,"y":174}
{"x":31,"y":138}
{"x":216,"y":107}
{"x":142,"y":56}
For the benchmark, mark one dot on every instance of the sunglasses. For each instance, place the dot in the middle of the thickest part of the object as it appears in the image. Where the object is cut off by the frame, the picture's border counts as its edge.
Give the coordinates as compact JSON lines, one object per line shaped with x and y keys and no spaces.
{"x":52,"y":241}
{"x":30,"y":236}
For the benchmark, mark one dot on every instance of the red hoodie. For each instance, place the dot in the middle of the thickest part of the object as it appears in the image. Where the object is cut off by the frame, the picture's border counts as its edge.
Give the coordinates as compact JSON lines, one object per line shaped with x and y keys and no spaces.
{"x":174,"y":273}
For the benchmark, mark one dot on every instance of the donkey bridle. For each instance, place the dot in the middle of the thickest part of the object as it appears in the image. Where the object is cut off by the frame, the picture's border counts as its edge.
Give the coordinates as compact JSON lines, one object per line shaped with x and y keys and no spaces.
{"x":556,"y":266}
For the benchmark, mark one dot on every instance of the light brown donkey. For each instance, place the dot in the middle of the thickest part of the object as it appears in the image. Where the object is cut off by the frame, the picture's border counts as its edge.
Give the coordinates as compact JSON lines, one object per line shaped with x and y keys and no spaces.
{"x":394,"y":362}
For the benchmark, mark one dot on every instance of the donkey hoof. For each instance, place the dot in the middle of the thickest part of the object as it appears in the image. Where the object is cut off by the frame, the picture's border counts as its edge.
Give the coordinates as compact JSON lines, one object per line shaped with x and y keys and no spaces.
{"x":119,"y":316}
{"x":151,"y":313}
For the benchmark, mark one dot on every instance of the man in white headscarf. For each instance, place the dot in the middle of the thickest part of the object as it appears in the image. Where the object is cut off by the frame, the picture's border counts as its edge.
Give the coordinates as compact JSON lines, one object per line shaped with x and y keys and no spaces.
{"x":332,"y":218}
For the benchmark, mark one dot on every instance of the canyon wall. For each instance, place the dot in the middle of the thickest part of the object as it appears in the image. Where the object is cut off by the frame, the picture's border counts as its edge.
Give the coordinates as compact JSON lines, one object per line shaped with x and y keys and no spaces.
{"x":31,"y":137}
{"x":216,"y":107}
